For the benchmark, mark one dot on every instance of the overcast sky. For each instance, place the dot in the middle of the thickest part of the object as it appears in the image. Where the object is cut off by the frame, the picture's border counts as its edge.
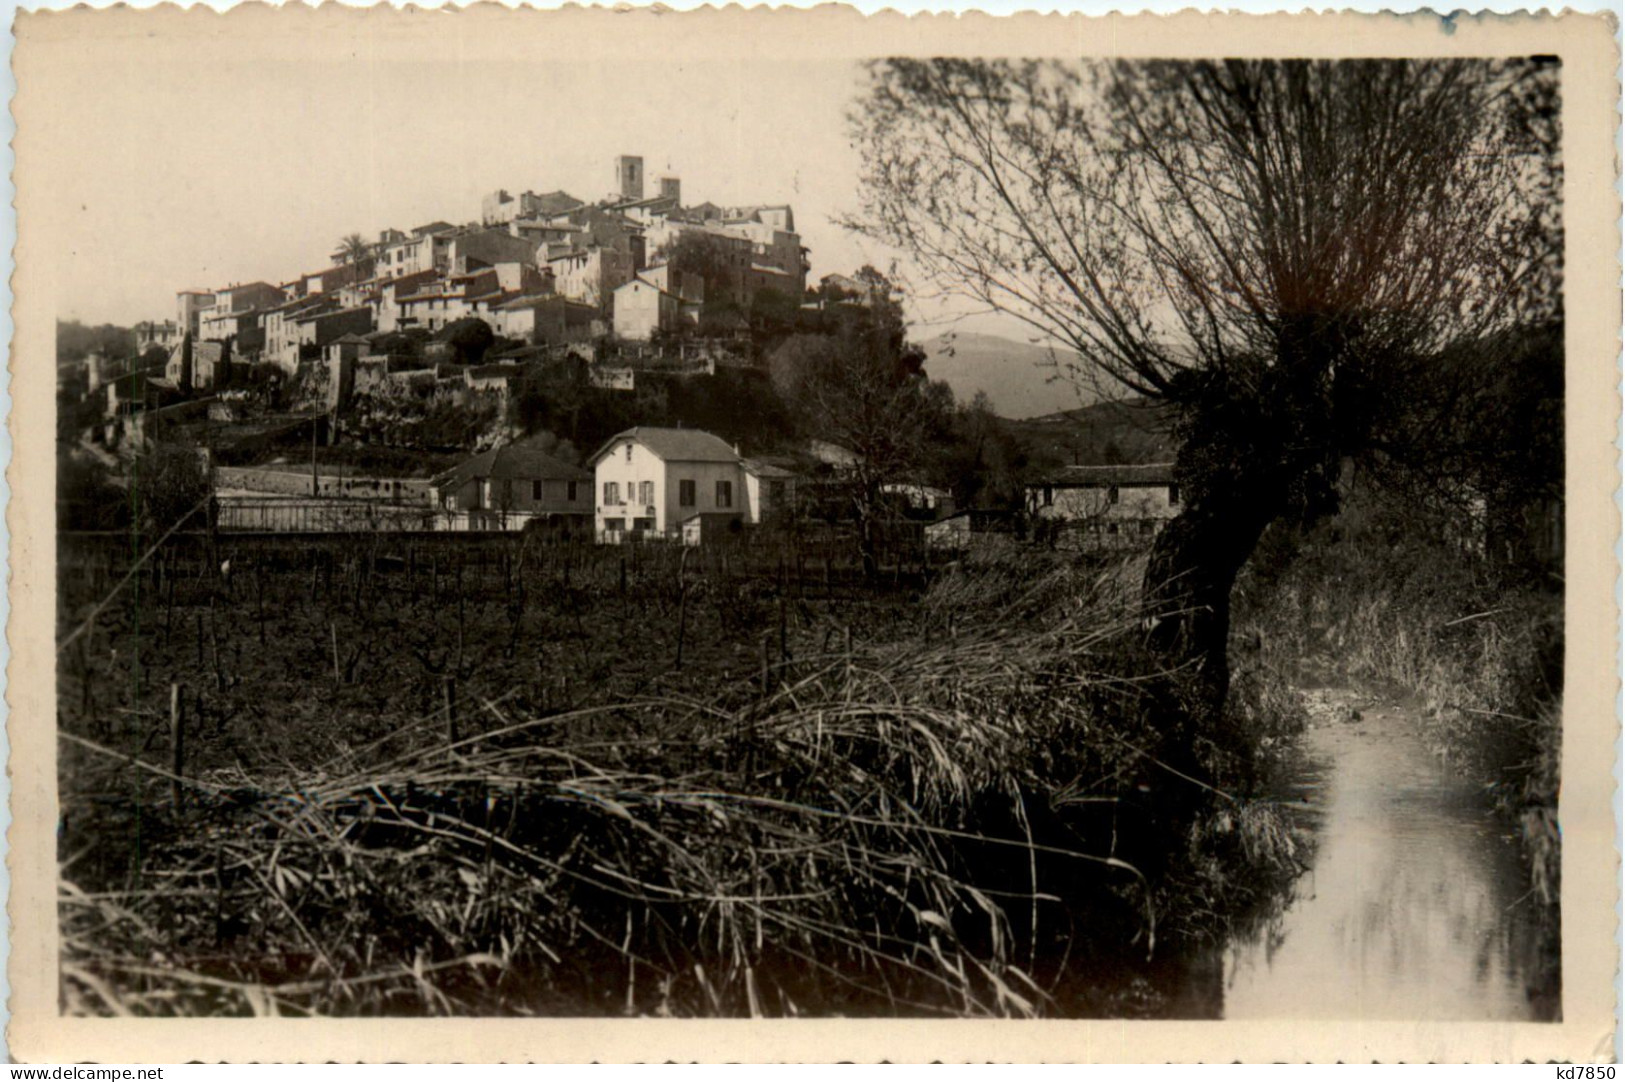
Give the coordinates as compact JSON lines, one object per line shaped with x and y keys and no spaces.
{"x":247,"y":163}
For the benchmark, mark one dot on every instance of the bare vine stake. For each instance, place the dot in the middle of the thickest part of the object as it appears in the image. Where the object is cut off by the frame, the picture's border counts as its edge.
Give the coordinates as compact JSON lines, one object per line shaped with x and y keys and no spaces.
{"x":460,"y":618}
{"x":682,"y":608}
{"x":177,"y":745}
{"x":85,"y":681}
{"x":214,"y":646}
{"x":448,"y":691}
{"x":784,"y":634}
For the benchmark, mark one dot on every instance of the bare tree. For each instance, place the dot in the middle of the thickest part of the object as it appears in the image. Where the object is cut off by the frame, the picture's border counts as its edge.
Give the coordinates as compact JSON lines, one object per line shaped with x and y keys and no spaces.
{"x":1265,"y":245}
{"x":863,"y":389}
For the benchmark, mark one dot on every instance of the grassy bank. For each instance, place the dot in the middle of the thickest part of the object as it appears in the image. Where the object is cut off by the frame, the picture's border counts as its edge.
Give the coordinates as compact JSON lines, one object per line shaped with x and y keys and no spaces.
{"x":953,"y":811}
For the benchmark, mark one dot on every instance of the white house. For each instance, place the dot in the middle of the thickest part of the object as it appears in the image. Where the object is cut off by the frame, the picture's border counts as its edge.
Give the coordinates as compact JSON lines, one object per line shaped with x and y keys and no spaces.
{"x":769,"y":490}
{"x":1108,"y":506}
{"x":427,"y":249}
{"x":650,"y":481}
{"x":641,"y":308}
{"x":391,"y":294}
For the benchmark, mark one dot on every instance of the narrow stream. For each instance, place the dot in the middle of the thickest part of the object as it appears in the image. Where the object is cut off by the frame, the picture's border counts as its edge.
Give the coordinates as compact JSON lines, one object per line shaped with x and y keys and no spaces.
{"x":1415,"y":906}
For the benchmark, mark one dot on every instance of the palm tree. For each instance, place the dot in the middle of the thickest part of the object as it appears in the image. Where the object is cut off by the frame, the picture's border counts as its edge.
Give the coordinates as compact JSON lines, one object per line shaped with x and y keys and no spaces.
{"x":354,"y":249}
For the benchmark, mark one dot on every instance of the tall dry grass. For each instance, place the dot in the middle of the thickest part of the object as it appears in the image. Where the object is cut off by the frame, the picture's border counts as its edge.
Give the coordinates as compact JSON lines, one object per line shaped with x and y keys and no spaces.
{"x":938,"y":824}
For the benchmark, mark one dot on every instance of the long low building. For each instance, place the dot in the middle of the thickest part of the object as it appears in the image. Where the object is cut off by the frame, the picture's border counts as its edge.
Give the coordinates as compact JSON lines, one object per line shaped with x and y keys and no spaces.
{"x":253,"y":512}
{"x":512,"y":486}
{"x":289,"y":481}
{"x":1110,"y":507}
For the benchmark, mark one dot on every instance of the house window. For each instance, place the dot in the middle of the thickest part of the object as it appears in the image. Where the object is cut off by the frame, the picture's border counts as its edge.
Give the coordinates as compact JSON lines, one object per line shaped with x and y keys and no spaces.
{"x":629,"y":452}
{"x":646,"y":492}
{"x":570,"y":491}
{"x":685,"y":493}
{"x":1111,"y":528}
{"x":1111,"y":494}
{"x":1173,"y":495}
{"x":536,"y":491}
{"x":612,"y":492}
{"x":1049,"y":495}
{"x":725,"y":493}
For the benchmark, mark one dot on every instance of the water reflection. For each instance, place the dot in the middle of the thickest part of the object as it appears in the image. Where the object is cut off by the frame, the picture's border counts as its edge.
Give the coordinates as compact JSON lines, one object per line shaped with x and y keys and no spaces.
{"x":1415,"y":906}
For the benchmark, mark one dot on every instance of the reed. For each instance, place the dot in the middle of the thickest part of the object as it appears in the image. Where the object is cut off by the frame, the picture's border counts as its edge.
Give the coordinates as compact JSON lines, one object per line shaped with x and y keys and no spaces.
{"x":842,"y":843}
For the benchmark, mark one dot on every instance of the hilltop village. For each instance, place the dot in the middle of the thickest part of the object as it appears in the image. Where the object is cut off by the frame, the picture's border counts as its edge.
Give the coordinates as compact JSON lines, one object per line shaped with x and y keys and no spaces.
{"x":625,"y":369}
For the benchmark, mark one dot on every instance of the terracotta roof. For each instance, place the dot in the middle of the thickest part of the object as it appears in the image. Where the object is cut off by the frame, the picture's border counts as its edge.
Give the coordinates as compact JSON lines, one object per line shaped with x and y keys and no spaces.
{"x":1152,"y":473}
{"x":558,"y":202}
{"x":640,"y":280}
{"x":757,"y":468}
{"x":513,"y":461}
{"x":300,"y":304}
{"x":675,"y":444}
{"x":548,"y":223}
{"x":413,"y":279}
{"x":492,"y":371}
{"x":334,"y":312}
{"x":521,"y":301}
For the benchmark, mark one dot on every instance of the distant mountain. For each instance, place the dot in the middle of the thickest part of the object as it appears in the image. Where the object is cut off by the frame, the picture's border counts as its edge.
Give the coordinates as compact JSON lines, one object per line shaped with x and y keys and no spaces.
{"x":1022,"y":380}
{"x":1133,"y":430}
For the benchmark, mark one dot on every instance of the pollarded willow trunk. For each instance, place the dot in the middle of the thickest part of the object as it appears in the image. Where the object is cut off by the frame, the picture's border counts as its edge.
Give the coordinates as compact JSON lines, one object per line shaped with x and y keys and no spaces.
{"x":1188,"y":580}
{"x":1255,"y":449}
{"x":1192,"y":568}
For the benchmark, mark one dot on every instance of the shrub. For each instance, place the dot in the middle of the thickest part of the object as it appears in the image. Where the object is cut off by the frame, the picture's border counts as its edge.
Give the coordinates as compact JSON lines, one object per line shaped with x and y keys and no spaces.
{"x":167,"y":484}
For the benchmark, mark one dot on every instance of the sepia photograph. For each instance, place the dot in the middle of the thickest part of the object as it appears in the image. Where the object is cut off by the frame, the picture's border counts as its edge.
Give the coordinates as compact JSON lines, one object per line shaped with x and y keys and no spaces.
{"x":970,"y":534}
